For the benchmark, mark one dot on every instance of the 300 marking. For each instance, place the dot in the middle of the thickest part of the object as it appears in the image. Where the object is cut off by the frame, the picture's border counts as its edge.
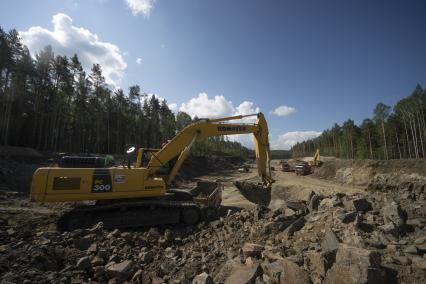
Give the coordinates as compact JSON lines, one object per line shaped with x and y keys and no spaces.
{"x":101,"y":187}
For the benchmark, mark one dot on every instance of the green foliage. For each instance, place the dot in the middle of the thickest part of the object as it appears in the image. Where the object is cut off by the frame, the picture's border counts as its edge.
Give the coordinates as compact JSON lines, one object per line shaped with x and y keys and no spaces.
{"x":50,"y":103}
{"x":397,"y":134}
{"x":220,"y":145}
{"x":280,"y":154}
{"x":182,"y":120}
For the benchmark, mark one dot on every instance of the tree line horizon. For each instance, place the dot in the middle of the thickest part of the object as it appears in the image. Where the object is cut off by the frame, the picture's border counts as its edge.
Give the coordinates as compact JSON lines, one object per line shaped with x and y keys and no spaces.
{"x":50,"y":103}
{"x":397,"y":132}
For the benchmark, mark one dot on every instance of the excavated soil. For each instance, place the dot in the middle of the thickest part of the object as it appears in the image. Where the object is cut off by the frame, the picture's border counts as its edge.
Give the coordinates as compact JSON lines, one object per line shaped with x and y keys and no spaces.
{"x":304,"y":229}
{"x":362,"y":172}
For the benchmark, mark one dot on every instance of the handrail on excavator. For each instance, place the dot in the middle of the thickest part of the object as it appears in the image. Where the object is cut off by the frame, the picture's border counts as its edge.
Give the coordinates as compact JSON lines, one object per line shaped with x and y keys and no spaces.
{"x":230,"y":117}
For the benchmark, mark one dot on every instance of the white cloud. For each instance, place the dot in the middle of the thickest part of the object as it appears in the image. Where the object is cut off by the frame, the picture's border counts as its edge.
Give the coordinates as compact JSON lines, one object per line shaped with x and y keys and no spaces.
{"x":204,"y":107}
{"x":218,"y":106}
{"x":287,"y":140}
{"x":283,"y":110}
{"x":139,"y":60}
{"x":140,"y":6}
{"x":246,"y":108}
{"x":173,"y":107}
{"x":67,"y":39}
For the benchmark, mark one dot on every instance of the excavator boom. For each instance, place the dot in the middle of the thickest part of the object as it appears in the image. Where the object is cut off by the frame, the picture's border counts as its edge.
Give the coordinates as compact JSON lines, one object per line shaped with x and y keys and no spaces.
{"x":182,"y":142}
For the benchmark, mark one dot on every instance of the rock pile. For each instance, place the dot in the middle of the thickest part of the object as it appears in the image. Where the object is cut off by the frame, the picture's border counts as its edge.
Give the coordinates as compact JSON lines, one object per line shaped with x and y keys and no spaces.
{"x":368,"y":238}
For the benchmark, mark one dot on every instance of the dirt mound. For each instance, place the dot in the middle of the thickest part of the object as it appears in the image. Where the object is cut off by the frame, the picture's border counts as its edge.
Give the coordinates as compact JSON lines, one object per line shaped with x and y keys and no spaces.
{"x":407,"y":186}
{"x":362,"y":172}
{"x":16,"y":175}
{"x":197,"y":166}
{"x":11,"y":151}
{"x":17,"y":165}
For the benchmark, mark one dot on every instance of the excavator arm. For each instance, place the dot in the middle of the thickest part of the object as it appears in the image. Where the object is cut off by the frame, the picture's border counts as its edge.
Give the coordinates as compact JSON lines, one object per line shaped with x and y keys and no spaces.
{"x":316,"y":160}
{"x":316,"y":156}
{"x":181,"y":144}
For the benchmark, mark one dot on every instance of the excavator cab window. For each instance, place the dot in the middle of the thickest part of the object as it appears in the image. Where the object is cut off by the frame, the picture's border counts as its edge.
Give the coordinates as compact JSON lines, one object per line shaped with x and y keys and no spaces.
{"x":146,"y":157}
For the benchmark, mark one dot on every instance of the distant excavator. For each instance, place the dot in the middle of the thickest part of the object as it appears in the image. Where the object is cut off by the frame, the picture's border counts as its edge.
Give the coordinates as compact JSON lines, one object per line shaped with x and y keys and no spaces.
{"x":140,"y":194}
{"x":316,"y":162}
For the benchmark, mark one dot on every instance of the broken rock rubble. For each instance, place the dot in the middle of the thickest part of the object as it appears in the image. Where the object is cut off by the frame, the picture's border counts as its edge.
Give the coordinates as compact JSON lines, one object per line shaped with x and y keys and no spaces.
{"x":329,"y":239}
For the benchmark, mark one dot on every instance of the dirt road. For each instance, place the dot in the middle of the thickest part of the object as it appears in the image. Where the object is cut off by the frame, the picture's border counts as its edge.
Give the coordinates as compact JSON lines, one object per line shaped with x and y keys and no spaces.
{"x":287,"y":186}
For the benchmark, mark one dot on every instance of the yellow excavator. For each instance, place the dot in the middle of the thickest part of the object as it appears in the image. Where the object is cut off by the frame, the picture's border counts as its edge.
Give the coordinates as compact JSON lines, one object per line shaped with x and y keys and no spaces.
{"x":316,"y":162}
{"x":140,"y":193}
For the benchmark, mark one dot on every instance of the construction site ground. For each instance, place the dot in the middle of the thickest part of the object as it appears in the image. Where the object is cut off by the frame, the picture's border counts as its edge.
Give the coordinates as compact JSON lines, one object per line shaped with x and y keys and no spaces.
{"x":348,"y":222}
{"x":287,"y":186}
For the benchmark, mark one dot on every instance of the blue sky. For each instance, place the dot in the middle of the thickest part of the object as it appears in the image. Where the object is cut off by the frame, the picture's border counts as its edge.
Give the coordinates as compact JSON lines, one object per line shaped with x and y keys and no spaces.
{"x":326,"y":61}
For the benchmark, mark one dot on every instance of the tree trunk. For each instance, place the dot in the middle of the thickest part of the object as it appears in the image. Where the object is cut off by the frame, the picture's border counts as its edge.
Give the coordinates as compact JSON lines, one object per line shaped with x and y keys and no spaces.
{"x":3,"y":132}
{"x":413,"y":134}
{"x":397,"y":143}
{"x":384,"y":138}
{"x":407,"y":138}
{"x":420,"y":135}
{"x":6,"y":130}
{"x":369,"y":142}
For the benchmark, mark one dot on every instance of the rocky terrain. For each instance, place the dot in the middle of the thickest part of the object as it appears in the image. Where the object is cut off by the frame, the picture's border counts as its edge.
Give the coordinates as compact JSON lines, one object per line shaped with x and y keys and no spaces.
{"x":372,"y":235}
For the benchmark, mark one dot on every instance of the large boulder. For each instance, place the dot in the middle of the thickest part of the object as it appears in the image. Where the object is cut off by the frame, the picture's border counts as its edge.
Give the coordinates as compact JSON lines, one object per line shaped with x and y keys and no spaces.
{"x":362,"y":204}
{"x":284,"y":271}
{"x":318,"y":264}
{"x":122,"y":270}
{"x":314,"y":202}
{"x":330,"y":242}
{"x":244,"y":274}
{"x":83,"y":243}
{"x":395,"y":219}
{"x":295,"y":226}
{"x":392,"y":212}
{"x":272,"y":270}
{"x":348,"y":217}
{"x":356,"y":265}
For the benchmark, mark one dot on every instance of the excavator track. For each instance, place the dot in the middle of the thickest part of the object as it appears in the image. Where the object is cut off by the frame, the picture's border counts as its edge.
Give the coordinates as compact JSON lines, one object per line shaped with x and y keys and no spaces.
{"x":125,"y":214}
